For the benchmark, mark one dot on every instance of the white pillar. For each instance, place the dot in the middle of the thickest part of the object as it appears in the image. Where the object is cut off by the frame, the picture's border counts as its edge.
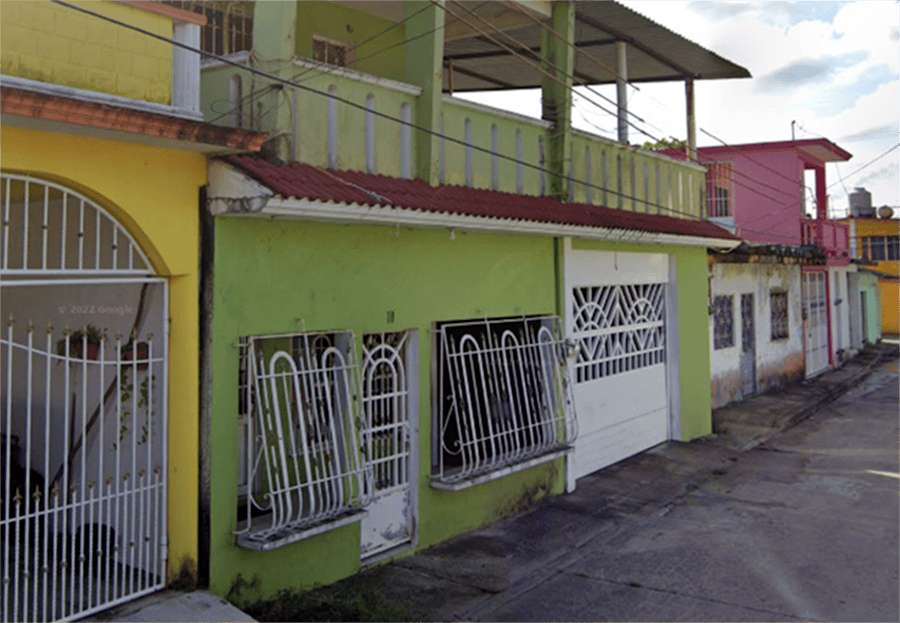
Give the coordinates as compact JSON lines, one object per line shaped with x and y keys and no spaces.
{"x":186,"y":67}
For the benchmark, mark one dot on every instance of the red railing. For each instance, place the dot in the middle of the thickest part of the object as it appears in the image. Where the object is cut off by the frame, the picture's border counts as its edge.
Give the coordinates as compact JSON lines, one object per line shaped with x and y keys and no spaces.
{"x":835,"y":237}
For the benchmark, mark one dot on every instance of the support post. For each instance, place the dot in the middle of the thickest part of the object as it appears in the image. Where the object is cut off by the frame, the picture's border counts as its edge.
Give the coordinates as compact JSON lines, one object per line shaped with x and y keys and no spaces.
{"x":424,"y":68}
{"x":622,"y":91}
{"x":558,"y":58}
{"x":274,"y":47}
{"x":691,"y":119}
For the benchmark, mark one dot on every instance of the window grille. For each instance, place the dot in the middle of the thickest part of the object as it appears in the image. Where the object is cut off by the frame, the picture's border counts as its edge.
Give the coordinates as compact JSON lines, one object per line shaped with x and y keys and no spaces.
{"x":618,"y":328}
{"x":778,"y":301}
{"x":305,"y":467}
{"x":505,"y":397}
{"x":723,"y":321}
{"x":384,"y":403}
{"x":229,"y":24}
{"x":331,"y":51}
{"x":719,"y":180}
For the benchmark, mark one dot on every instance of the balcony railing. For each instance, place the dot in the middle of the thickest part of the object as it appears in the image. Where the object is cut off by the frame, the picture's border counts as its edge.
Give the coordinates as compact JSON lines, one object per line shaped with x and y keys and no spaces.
{"x":835,"y":237}
{"x":484,"y":148}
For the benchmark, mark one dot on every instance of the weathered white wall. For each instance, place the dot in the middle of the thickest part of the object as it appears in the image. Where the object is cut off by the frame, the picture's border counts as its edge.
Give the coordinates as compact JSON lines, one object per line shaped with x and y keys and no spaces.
{"x":777,"y":362}
{"x":841,"y":309}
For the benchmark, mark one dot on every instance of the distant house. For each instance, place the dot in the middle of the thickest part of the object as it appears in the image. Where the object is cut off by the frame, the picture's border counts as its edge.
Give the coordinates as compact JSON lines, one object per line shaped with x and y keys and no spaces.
{"x":781,"y":304}
{"x":875,"y":240}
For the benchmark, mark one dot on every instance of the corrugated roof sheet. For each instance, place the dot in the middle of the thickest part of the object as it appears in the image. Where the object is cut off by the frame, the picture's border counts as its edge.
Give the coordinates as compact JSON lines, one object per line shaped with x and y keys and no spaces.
{"x":654,"y":54}
{"x":303,"y":181}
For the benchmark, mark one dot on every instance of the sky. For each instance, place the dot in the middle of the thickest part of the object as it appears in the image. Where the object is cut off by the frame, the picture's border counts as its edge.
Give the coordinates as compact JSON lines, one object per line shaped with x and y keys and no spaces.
{"x":831,"y":67}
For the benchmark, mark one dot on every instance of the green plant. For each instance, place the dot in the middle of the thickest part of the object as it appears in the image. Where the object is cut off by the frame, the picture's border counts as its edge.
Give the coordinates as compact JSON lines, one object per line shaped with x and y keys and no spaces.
{"x":142,"y":405}
{"x":76,"y":339}
{"x":328,"y":604}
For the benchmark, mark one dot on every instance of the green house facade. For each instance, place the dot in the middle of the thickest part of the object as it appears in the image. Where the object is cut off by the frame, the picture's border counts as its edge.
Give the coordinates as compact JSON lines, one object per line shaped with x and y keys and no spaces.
{"x":423,"y":314}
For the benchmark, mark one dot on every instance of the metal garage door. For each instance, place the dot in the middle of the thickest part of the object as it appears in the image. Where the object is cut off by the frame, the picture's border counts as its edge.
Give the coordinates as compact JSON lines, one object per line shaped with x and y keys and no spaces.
{"x":616,"y":312}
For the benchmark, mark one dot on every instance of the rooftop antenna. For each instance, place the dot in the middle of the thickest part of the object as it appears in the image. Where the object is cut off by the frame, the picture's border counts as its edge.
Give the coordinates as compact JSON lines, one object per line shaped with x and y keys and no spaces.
{"x":792,"y":129}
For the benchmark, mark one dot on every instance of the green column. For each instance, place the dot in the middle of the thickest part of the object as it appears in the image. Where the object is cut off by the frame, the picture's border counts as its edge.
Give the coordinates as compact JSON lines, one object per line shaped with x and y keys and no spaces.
{"x":274,"y":47}
{"x":424,"y":68}
{"x":558,"y":59}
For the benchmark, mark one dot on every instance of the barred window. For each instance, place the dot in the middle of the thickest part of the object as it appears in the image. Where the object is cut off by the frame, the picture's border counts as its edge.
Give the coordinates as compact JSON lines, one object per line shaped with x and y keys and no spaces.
{"x":304,"y":469}
{"x":723,"y":321}
{"x":778,"y":301}
{"x":719,"y":182}
{"x":229,"y":24}
{"x":504,"y":398}
{"x":331,"y":51}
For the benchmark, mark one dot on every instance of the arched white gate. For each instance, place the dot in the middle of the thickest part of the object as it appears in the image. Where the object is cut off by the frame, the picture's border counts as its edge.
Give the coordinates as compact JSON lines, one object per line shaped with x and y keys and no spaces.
{"x":82,"y":407}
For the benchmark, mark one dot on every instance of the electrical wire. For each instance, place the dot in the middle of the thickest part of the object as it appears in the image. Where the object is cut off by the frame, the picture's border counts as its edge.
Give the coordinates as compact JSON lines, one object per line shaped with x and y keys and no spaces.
{"x":635,"y":200}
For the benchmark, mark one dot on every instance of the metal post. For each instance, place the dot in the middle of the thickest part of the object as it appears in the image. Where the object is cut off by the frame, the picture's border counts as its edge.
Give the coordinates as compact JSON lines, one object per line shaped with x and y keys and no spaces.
{"x":621,"y":91}
{"x":691,"y":120}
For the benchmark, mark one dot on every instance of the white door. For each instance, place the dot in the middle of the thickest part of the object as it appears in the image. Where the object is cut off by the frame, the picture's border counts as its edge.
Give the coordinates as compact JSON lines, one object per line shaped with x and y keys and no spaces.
{"x":616,"y":316}
{"x":387,"y":401}
{"x":815,"y":311}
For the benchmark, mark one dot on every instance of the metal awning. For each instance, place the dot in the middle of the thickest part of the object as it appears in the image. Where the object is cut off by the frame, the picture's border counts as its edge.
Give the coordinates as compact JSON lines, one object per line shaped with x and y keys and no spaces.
{"x":655,"y":53}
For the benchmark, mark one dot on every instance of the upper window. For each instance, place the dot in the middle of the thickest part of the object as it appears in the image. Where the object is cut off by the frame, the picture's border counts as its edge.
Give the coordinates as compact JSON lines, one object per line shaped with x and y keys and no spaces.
{"x":880,"y":248}
{"x":503,"y":398}
{"x":723,"y":321}
{"x":331,"y":51}
{"x":229,"y":24}
{"x":778,"y":301}
{"x":719,"y":180}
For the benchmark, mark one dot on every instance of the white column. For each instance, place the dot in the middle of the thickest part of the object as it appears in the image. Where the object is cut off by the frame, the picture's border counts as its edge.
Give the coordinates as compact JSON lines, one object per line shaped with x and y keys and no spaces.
{"x":186,"y":67}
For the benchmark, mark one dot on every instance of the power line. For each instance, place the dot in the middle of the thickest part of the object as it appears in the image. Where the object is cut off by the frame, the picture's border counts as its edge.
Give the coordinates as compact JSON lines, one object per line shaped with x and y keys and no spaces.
{"x":635,"y":200}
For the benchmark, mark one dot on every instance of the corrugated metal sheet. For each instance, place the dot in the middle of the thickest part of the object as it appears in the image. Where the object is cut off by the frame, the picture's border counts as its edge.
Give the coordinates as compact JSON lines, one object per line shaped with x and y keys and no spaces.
{"x":303,"y":181}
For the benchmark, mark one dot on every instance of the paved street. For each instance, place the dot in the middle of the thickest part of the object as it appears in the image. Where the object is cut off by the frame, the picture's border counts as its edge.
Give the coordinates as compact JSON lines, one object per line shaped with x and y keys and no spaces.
{"x":803,"y":526}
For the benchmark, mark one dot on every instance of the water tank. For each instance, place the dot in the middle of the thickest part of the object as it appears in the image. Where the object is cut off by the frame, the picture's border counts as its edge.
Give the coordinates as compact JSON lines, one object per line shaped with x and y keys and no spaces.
{"x":885,"y":212}
{"x":861,"y":203}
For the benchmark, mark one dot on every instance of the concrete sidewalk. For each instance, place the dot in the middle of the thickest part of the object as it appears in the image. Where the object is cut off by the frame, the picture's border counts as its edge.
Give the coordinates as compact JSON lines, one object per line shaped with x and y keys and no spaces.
{"x":475,"y":576}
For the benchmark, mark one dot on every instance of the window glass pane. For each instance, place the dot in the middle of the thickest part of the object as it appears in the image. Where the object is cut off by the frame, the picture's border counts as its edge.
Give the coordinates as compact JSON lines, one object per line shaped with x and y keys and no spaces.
{"x":878,"y":248}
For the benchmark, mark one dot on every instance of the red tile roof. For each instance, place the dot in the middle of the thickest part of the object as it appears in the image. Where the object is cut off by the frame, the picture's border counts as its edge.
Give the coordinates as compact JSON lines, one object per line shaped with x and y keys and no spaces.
{"x":303,"y":181}
{"x":26,"y":103}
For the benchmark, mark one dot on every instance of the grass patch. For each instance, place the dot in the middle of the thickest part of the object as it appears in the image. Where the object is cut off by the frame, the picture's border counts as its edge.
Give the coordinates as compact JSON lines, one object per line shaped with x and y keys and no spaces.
{"x":326,"y":605}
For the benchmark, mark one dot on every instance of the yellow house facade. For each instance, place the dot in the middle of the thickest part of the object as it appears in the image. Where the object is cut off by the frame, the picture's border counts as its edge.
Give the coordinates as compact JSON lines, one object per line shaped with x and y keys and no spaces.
{"x":104,"y":158}
{"x":877,"y":240}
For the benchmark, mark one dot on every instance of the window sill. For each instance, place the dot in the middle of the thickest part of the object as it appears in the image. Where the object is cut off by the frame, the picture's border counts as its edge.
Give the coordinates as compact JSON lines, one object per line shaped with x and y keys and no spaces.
{"x":459,"y":485}
{"x":246,"y":540}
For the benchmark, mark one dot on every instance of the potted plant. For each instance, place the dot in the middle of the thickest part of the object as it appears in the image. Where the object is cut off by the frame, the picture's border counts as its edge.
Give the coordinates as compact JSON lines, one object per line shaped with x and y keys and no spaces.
{"x":136,"y":351}
{"x":90,"y":337}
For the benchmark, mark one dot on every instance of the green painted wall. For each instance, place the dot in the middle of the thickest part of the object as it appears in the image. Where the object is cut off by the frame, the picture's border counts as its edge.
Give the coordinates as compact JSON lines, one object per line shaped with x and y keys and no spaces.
{"x":868,"y":283}
{"x":276,"y":276}
{"x":377,"y":57}
{"x":693,"y":330}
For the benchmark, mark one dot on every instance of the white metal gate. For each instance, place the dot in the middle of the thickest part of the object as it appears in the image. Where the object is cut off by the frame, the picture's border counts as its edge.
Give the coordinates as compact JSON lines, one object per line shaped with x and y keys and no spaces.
{"x":815,"y":312}
{"x":389,"y":442}
{"x":83,"y":408}
{"x":617,"y":317}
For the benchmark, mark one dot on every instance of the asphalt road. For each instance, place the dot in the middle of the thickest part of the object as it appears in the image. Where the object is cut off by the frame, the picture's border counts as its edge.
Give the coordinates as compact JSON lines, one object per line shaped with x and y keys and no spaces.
{"x":803,"y":527}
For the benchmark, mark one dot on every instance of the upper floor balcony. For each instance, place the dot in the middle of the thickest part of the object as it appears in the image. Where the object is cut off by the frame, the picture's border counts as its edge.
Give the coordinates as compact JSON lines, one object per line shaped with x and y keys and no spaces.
{"x":347,"y":120}
{"x":829,"y":235}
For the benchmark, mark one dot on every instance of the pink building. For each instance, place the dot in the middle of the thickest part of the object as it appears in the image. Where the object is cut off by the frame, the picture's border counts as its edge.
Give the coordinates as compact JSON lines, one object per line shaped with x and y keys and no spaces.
{"x":782,"y":306}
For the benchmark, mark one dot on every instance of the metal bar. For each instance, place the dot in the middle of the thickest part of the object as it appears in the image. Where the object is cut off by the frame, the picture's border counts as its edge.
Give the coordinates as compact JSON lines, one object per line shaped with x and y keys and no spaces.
{"x":80,"y":234}
{"x":75,"y":282}
{"x":64,"y":225}
{"x":6,"y":235}
{"x":25,"y":219}
{"x":44,"y":229}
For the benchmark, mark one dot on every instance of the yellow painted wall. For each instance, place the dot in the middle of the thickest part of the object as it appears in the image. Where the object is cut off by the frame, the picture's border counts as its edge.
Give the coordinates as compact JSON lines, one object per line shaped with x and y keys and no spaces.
{"x":153,"y":193}
{"x":52,"y":43}
{"x":890,"y":306}
{"x":866,"y":227}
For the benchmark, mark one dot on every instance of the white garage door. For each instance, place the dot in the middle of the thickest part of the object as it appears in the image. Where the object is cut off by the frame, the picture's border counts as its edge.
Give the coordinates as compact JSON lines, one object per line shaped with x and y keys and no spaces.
{"x":616,"y":311}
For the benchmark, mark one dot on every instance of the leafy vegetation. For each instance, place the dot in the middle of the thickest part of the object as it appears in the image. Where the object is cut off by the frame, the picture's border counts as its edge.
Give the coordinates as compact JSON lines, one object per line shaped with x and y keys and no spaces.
{"x":332,"y":604}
